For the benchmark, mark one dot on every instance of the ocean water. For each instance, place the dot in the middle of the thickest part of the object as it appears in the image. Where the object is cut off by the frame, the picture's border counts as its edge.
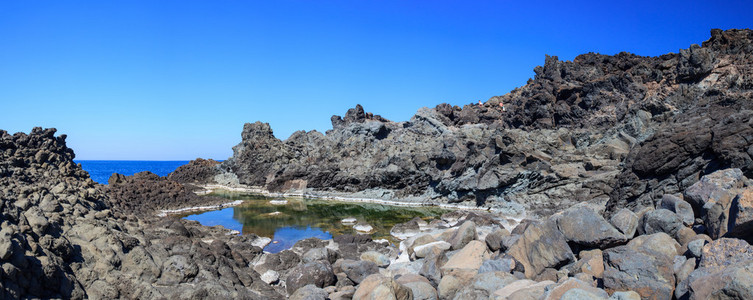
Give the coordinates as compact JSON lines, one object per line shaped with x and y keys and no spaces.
{"x":101,"y":170}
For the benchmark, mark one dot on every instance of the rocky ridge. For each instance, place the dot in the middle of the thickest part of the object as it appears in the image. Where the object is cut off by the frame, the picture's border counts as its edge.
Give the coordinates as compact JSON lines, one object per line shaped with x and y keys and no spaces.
{"x":599,"y":128}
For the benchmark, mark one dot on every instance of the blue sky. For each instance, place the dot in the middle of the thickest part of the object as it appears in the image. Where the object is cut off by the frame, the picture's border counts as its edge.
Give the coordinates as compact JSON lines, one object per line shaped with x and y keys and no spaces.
{"x":175,"y":80}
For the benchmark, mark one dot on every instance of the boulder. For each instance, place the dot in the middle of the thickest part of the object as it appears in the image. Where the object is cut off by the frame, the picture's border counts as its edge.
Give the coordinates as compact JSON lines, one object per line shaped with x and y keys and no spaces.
{"x":512,"y":287}
{"x":637,"y":267}
{"x":585,"y":227}
{"x":740,"y":224}
{"x":732,"y":282}
{"x":377,"y":258}
{"x":627,"y":295}
{"x":678,"y":206}
{"x":419,"y":285}
{"x":465,"y":233}
{"x":483,"y":286}
{"x":424,"y":250}
{"x":725,"y":252}
{"x":356,"y":270}
{"x":590,"y":262}
{"x":535,"y":291}
{"x":583,"y":290}
{"x":431,"y":268}
{"x":405,"y":230}
{"x":660,"y":220}
{"x":309,"y":292}
{"x":377,"y":286}
{"x":466,"y":262}
{"x":318,"y":273}
{"x":625,"y":221}
{"x":494,"y":239}
{"x":541,"y":246}
{"x":505,"y":265}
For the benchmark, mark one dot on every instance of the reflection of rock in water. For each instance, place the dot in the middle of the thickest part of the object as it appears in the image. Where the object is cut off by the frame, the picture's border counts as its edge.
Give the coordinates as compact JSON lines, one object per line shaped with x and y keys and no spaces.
{"x":286,"y":237}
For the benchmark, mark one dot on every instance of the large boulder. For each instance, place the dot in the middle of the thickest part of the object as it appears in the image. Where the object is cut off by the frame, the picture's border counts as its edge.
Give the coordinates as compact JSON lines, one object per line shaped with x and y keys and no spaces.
{"x":465,"y":233}
{"x":626,"y":221}
{"x":466,"y":262}
{"x":541,"y":246}
{"x":682,"y":208}
{"x":641,"y":266}
{"x":377,"y":286}
{"x":585,"y":227}
{"x":660,"y":220}
{"x":483,"y":286}
{"x":318,"y":273}
{"x":356,"y":270}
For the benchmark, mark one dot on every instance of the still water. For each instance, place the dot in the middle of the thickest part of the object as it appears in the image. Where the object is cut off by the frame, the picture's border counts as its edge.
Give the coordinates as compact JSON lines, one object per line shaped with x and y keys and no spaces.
{"x":300,"y":218}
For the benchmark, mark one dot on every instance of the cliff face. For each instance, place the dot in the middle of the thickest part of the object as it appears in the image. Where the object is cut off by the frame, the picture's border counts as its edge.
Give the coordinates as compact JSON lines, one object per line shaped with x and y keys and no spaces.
{"x":575,"y":132}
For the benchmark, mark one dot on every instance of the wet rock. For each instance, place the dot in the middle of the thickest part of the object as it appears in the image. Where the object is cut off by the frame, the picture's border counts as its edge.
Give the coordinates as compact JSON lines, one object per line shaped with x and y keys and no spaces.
{"x":377,"y":286}
{"x":405,"y":230}
{"x":541,"y":246}
{"x":363,"y":227}
{"x":586,"y":228}
{"x":317,"y":273}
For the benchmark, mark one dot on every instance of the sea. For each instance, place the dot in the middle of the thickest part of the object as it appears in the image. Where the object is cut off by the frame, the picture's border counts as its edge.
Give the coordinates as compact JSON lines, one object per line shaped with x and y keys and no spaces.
{"x":101,"y":170}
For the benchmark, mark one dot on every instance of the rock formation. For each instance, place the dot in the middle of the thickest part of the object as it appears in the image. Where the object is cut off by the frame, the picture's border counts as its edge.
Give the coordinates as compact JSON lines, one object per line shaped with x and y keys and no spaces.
{"x":622,"y":128}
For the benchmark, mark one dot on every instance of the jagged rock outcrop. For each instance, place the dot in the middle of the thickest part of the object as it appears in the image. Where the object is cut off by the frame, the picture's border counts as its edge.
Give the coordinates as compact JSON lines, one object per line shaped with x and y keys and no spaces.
{"x":61,"y":237}
{"x":196,"y":171}
{"x":648,"y":126}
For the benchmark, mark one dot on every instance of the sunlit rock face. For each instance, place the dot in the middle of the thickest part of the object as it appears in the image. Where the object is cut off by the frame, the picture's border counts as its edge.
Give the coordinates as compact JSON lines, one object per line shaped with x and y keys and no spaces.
{"x":623,"y":128}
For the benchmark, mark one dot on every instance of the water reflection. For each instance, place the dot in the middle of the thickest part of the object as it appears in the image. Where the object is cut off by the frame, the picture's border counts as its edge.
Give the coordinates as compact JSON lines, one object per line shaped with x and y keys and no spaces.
{"x":298,"y":218}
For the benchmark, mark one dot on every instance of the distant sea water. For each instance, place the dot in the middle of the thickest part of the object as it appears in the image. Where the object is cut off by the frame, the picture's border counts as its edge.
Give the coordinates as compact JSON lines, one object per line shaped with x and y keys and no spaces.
{"x":101,"y":170}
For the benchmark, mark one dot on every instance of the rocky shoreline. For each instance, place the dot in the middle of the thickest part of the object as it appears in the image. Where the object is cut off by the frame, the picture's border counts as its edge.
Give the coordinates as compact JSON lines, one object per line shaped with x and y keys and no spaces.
{"x":633,"y":174}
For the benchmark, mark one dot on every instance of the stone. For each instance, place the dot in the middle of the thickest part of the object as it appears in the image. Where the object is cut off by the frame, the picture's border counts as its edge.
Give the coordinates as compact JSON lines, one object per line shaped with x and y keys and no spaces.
{"x":713,"y":187}
{"x":417,"y":241}
{"x":466,"y":261}
{"x":377,"y":258}
{"x":740,"y":224}
{"x":377,"y":286}
{"x":648,"y":273}
{"x":660,"y":220}
{"x":405,"y":230}
{"x":579,"y":294}
{"x":685,"y":235}
{"x":695,"y":247}
{"x":725,"y":252}
{"x":678,"y":206}
{"x":424,"y":250}
{"x":512,"y":287}
{"x":465,"y":233}
{"x":317,"y":273}
{"x":315,"y":254}
{"x":505,"y":265}
{"x":587,"y":291}
{"x":541,"y":246}
{"x":590,"y":262}
{"x":349,"y":221}
{"x":656,"y":244}
{"x":583,"y":226}
{"x":421,"y":287}
{"x":357,"y":270}
{"x":483,"y":286}
{"x":363,"y":227}
{"x":535,"y":291}
{"x":449,"y":286}
{"x":270,"y":277}
{"x":494,"y":239}
{"x":431,"y":268}
{"x":625,"y":295}
{"x":733,"y":282}
{"x":625,"y":221}
{"x":309,"y":292}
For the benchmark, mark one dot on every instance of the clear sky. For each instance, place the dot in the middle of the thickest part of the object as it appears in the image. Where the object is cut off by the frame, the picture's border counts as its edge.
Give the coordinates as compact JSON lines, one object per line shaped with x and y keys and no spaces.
{"x":175,"y":80}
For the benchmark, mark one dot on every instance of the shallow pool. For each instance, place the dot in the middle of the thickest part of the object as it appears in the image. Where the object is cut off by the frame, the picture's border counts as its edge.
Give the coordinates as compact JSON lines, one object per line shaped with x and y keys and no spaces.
{"x":288,"y":220}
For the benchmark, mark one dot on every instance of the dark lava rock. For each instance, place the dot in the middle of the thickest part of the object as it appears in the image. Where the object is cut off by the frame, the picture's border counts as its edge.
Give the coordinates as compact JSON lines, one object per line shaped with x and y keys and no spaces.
{"x":356,"y":270}
{"x":660,"y":220}
{"x":196,"y":171}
